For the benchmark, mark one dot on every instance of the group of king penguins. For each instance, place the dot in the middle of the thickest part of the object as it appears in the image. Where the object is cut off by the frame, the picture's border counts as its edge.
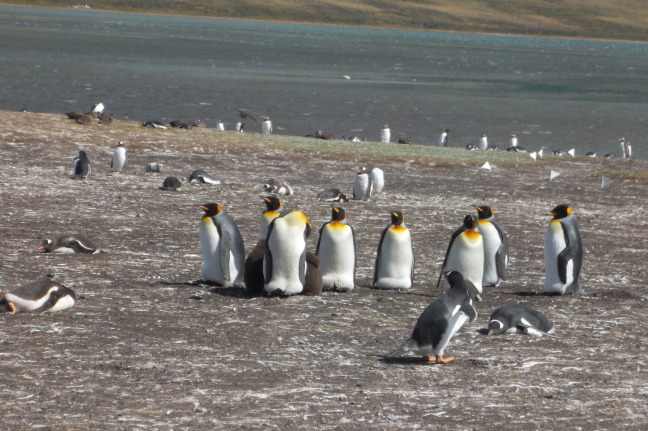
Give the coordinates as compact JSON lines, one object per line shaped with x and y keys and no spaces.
{"x":280,"y":265}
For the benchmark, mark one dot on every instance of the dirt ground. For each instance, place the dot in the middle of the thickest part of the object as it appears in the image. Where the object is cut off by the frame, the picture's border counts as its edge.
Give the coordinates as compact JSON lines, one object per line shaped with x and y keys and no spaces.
{"x":148,"y":348}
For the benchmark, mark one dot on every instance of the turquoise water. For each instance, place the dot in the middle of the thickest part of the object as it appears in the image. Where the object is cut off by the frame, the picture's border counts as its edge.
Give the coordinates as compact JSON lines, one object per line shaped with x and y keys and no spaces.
{"x":553,"y":93}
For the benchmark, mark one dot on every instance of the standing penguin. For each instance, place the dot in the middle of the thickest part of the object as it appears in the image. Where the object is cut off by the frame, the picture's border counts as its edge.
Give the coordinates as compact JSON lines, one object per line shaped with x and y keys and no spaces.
{"x":273,"y":210}
{"x":253,"y":273}
{"x":519,"y":319}
{"x":563,"y":252}
{"x":42,"y":295}
{"x":443,"y":138}
{"x":284,"y":263}
{"x":385,"y":134}
{"x":465,"y":254}
{"x":362,"y":185}
{"x":336,"y":249}
{"x":222,"y":247}
{"x":514,"y":141}
{"x":266,"y":125}
{"x":118,"y":161}
{"x":495,"y":246}
{"x":394,"y":268}
{"x":377,"y":180}
{"x":80,"y":166}
{"x":439,"y":322}
{"x":483,"y":142}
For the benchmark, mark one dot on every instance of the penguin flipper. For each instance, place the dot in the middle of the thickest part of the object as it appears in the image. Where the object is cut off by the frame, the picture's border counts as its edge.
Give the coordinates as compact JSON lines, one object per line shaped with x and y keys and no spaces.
{"x":564,"y":258}
{"x":403,"y":350}
{"x":302,"y":268}
{"x":225,"y":250}
{"x":53,"y":298}
{"x":267,"y":258}
{"x":469,"y":310}
{"x":376,"y":266}
{"x":501,"y":257}
{"x":80,"y":247}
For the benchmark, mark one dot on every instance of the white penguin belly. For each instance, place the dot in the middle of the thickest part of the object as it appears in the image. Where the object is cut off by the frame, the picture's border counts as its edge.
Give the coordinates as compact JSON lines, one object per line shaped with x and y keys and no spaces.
{"x":492,"y":243}
{"x":395,"y":260}
{"x":119,"y":159}
{"x":456,"y":322}
{"x":287,"y":244}
{"x":554,"y":244}
{"x":210,"y":242}
{"x":362,"y":187}
{"x":63,"y":303}
{"x":337,"y":257}
{"x":23,"y":304}
{"x":467,"y":257}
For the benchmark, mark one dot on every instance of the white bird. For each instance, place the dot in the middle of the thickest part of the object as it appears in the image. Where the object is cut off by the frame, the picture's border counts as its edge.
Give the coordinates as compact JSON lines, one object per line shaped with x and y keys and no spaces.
{"x":97,"y":108}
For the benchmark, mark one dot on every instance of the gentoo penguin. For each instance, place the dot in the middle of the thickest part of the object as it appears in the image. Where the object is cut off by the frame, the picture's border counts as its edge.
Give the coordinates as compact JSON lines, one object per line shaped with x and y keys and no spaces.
{"x":483,"y":142}
{"x":220,"y":125}
{"x":253,"y":272}
{"x":336,"y":249}
{"x":200,"y":177}
{"x":519,"y":319}
{"x":284,"y":263}
{"x":80,"y":166}
{"x":266,"y":126}
{"x":495,"y":246}
{"x":332,"y":195}
{"x":385,"y":134}
{"x":97,"y":108}
{"x":222,"y":247}
{"x":68,"y":243}
{"x":42,"y":295}
{"x":394,"y":268}
{"x":439,"y":322}
{"x":362,"y":185}
{"x":279,"y":187}
{"x":465,"y":254}
{"x":563,"y":252}
{"x":443,"y":138}
{"x":377,"y":180}
{"x":514,"y":140}
{"x":626,"y":148}
{"x":239,"y":127}
{"x":171,"y":184}
{"x":118,"y":161}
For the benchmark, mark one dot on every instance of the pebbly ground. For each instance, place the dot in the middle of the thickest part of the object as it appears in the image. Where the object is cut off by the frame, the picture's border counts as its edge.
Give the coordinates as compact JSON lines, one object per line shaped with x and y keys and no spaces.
{"x":148,"y":348}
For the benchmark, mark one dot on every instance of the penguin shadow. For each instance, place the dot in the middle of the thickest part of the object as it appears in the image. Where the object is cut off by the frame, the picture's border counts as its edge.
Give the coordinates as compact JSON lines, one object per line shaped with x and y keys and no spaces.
{"x":232,"y":292}
{"x":545,"y":294}
{"x":405,"y":360}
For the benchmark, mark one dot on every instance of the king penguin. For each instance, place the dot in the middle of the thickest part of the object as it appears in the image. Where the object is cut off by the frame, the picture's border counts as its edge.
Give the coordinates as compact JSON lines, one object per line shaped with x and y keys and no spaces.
{"x":80,"y":166}
{"x":222,"y":247}
{"x":42,"y":295}
{"x":439,"y":322}
{"x":68,"y":243}
{"x":563,"y":252}
{"x":118,"y":161}
{"x":495,"y":246}
{"x":284,"y":263}
{"x":336,"y":249}
{"x":465,"y":254}
{"x":394,"y":268}
{"x":519,"y":319}
{"x":362,"y":185}
{"x":253,"y":274}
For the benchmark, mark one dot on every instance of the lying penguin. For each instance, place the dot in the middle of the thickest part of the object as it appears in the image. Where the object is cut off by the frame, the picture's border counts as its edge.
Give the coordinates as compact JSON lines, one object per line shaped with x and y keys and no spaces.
{"x":69,"y":243}
{"x":39,"y":296}
{"x":519,"y":319}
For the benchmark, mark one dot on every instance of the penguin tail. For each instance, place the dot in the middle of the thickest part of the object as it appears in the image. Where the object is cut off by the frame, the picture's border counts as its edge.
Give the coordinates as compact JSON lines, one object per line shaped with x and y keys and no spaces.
{"x":403,"y":350}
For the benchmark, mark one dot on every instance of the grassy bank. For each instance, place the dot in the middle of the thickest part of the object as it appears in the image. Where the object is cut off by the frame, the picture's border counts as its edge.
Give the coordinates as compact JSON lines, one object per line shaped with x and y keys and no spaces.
{"x":604,"y":19}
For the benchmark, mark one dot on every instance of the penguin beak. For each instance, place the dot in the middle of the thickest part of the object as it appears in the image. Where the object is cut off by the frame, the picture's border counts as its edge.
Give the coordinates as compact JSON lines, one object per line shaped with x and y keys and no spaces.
{"x":41,"y":248}
{"x":202,"y":207}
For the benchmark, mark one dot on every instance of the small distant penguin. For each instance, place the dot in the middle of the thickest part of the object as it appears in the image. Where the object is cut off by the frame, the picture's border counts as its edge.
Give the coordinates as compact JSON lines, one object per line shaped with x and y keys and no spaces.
{"x":495,"y":246}
{"x":284,"y":263}
{"x":222,"y":247}
{"x":39,"y":296}
{"x":362,"y":185}
{"x":239,"y":127}
{"x":154,"y":167}
{"x":519,"y":319}
{"x":483,"y":142}
{"x":97,"y":108}
{"x":68,"y":243}
{"x":171,"y":184}
{"x":394,"y":267}
{"x":516,"y":149}
{"x":118,"y":161}
{"x":465,"y":254}
{"x":200,"y":177}
{"x":471,"y":147}
{"x":626,"y":148}
{"x":80,"y":166}
{"x":385,"y":134}
{"x":336,"y":249}
{"x":514,"y":140}
{"x":253,"y":273}
{"x":278,"y":187}
{"x":443,"y":138}
{"x":563,"y":252}
{"x":377,"y":180}
{"x":220,"y":126}
{"x":273,"y":210}
{"x":590,"y":154}
{"x":266,"y":125}
{"x":439,"y":322}
{"x":332,"y":195}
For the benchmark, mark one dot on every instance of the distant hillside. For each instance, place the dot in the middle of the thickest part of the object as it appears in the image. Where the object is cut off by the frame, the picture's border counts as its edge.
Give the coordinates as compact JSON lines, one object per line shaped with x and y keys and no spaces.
{"x":605,"y":19}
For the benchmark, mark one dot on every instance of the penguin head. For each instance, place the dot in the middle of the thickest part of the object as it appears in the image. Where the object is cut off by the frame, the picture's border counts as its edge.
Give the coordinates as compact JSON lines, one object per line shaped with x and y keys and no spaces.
{"x":454,"y":278}
{"x":273,"y":203}
{"x":120,"y":144}
{"x":211,"y":209}
{"x":397,"y":218}
{"x":484,"y":212}
{"x":46,"y":245}
{"x":338,"y":213}
{"x":83,"y":155}
{"x":6,"y":306}
{"x":495,"y":327}
{"x":470,"y":222}
{"x":561,"y":211}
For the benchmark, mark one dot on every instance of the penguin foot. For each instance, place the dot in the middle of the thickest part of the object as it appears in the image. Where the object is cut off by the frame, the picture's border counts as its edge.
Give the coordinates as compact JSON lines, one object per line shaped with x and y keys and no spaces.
{"x":12,"y":307}
{"x":441,"y":360}
{"x":430,"y":358}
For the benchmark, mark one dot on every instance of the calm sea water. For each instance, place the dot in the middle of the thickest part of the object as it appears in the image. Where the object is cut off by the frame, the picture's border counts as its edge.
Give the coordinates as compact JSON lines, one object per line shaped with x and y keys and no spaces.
{"x":553,"y":93}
